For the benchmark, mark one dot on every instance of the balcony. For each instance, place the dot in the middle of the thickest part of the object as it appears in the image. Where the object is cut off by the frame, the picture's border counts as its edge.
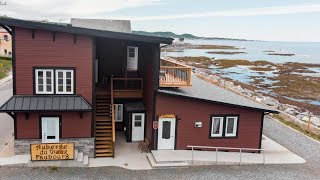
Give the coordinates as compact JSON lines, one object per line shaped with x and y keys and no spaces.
{"x":127,"y":87}
{"x":173,"y":74}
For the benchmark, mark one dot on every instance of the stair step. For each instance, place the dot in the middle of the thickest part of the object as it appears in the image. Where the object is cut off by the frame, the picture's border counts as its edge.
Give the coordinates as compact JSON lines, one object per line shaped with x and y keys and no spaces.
{"x":104,"y":143}
{"x":103,"y":146}
{"x":104,"y":155}
{"x":103,"y":119}
{"x":103,"y":131}
{"x":103,"y":134}
{"x":103,"y":127}
{"x":103,"y":138}
{"x":104,"y":151}
{"x":104,"y":123}
{"x":86,"y":160}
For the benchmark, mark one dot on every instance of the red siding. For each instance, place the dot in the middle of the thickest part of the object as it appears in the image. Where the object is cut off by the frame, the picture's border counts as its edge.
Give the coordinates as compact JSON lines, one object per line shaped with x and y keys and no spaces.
{"x":72,"y":125}
{"x":43,"y":51}
{"x":190,"y":111}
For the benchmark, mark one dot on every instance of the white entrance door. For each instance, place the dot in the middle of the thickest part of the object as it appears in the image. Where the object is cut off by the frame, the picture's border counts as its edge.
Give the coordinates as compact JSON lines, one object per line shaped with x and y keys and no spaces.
{"x":132,"y":59}
{"x":50,"y":129}
{"x":166,"y":133}
{"x":137,"y":126}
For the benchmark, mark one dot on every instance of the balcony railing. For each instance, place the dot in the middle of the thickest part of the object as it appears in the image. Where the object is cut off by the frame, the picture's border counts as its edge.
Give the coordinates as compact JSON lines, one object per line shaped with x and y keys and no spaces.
{"x":127,"y":87}
{"x":174,"y":75}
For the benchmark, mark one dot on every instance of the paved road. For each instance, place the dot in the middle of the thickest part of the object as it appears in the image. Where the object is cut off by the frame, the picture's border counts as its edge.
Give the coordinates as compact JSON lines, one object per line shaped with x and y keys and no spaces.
{"x":6,"y":122}
{"x":303,"y":146}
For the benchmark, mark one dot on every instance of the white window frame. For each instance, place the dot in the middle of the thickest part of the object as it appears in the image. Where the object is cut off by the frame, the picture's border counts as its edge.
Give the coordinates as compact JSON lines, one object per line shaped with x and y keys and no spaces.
{"x":135,"y":68}
{"x":235,"y":126}
{"x":44,"y":71}
{"x":64,"y":71}
{"x":220,"y":128}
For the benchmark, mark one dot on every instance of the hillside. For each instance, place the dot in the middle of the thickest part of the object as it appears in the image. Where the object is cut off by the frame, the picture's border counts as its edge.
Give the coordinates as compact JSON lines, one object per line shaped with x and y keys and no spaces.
{"x":186,"y":35}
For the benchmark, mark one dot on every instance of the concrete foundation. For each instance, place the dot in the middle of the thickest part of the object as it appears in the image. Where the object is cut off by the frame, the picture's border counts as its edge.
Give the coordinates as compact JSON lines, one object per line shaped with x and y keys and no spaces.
{"x":85,"y":145}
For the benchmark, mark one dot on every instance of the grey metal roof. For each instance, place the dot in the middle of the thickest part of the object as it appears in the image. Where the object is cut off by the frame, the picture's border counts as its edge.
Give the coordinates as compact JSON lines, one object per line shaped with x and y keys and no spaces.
{"x":29,"y":103}
{"x":203,"y":90}
{"x":68,"y":28}
{"x":103,"y":24}
{"x":134,"y":106}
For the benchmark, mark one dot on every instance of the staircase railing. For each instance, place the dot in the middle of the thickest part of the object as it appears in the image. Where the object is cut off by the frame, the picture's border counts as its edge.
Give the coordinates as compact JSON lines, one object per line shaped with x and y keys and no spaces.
{"x":112,"y":116}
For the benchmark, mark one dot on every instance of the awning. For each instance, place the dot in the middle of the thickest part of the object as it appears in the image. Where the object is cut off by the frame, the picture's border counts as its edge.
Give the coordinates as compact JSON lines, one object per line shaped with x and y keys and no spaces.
{"x":40,"y":103}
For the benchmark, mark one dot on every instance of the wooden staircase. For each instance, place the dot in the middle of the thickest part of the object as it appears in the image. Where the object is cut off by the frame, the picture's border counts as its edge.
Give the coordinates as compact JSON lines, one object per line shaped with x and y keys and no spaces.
{"x":104,"y":129}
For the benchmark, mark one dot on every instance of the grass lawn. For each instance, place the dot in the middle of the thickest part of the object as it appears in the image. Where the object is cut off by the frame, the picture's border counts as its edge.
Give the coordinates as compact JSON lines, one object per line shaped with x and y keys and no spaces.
{"x":5,"y":67}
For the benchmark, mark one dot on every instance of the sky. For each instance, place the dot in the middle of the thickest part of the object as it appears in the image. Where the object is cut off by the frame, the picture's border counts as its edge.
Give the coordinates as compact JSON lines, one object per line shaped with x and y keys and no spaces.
{"x":274,"y":20}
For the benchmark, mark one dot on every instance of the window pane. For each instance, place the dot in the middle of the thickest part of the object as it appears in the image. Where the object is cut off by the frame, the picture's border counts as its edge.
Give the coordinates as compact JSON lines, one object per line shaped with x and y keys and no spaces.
{"x":48,"y":87}
{"x":131,"y":55}
{"x":131,"y":50}
{"x":40,"y":73}
{"x":48,"y":74}
{"x":68,"y":74}
{"x":48,"y":81}
{"x":68,"y":88}
{"x":68,"y":81}
{"x":60,"y":81}
{"x":216,"y":126}
{"x":60,"y":74}
{"x":230,"y":125}
{"x":166,"y":129}
{"x":60,"y":88}
{"x":138,"y":117}
{"x":137,"y":123}
{"x":40,"y":88}
{"x":40,"y":81}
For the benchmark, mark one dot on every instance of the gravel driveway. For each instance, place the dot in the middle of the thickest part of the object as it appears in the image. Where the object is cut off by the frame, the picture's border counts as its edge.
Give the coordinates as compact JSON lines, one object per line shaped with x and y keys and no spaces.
{"x":294,"y":141}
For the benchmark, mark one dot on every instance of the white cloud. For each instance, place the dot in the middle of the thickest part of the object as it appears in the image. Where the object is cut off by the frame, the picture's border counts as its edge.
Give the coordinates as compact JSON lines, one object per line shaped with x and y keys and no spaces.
{"x":57,"y":9}
{"x":291,"y":9}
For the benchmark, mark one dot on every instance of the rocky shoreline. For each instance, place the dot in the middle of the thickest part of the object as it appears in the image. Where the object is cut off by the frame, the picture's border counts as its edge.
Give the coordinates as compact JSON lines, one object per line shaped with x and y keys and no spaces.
{"x":300,"y":113}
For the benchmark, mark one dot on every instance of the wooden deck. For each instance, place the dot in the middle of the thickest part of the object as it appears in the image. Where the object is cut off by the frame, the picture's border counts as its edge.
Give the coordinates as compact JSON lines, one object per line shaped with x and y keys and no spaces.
{"x":174,"y":75}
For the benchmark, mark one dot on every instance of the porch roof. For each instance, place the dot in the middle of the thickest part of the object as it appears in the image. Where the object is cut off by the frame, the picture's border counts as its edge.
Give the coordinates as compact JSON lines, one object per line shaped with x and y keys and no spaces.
{"x":36,"y":103}
{"x":68,"y":28}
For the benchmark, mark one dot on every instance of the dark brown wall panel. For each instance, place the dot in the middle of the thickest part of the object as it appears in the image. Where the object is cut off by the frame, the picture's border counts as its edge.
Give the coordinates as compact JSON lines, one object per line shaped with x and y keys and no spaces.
{"x":43,"y":51}
{"x":72,"y":125}
{"x":190,"y":111}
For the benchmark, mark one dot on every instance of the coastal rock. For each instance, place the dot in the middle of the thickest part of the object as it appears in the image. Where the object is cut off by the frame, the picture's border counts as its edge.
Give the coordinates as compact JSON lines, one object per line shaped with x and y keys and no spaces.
{"x":258,"y":99}
{"x":305,"y":118}
{"x":315,"y":120}
{"x":271,"y":101}
{"x":290,"y":111}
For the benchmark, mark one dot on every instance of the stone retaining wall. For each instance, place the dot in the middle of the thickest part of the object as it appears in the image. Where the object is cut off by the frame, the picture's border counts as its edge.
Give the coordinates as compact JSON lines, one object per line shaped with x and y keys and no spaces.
{"x":85,"y":145}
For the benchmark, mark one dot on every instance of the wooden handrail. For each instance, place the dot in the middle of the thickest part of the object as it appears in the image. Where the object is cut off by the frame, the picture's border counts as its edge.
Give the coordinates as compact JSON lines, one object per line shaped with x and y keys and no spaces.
{"x":112,"y":113}
{"x":175,"y":76}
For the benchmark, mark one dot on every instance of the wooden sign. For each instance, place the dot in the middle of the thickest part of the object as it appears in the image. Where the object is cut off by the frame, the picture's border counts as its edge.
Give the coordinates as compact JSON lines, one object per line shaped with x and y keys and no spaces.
{"x":54,"y":151}
{"x":167,"y":116}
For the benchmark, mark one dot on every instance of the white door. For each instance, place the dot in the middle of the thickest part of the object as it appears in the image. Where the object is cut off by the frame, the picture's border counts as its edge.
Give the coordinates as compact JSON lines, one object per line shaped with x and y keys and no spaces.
{"x":137,"y":126}
{"x":118,"y":112}
{"x":132,"y":59}
{"x":166,"y":133}
{"x":50,"y":129}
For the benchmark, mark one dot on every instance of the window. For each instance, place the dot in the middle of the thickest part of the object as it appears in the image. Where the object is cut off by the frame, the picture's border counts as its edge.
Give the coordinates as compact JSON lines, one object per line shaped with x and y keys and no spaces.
{"x":5,"y":51}
{"x":224,"y":126}
{"x":132,"y":58}
{"x":45,"y":78}
{"x":5,"y":37}
{"x":44,"y":81}
{"x":231,"y":126}
{"x":64,"y":81}
{"x":216,"y":126}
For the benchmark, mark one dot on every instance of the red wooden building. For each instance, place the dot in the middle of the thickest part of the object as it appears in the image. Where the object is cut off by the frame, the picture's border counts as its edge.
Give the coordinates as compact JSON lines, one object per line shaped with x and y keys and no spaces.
{"x":73,"y":84}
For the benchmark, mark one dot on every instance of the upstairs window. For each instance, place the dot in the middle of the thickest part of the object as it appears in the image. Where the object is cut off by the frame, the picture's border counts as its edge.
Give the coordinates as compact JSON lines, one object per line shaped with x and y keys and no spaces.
{"x":224,"y":126}
{"x":44,"y":81}
{"x":54,"y":81}
{"x":64,"y":81}
{"x":5,"y":37}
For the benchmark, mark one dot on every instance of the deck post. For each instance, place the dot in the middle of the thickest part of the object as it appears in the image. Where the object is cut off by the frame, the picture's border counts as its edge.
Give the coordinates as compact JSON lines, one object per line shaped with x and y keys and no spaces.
{"x":216,"y":156}
{"x":192,"y":154}
{"x":240,"y":156}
